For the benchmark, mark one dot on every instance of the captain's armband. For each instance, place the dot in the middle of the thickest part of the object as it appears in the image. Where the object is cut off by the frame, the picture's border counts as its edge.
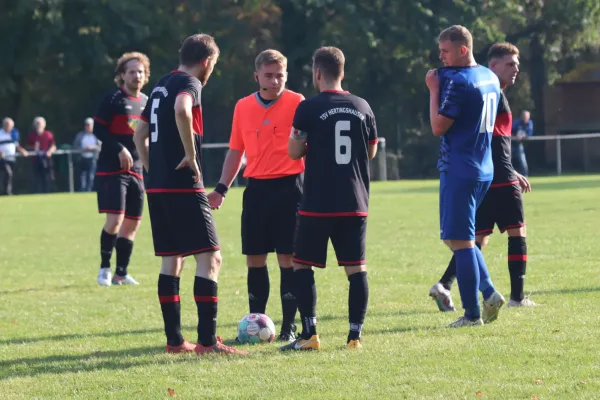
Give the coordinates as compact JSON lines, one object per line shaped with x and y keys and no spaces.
{"x":297,"y":134}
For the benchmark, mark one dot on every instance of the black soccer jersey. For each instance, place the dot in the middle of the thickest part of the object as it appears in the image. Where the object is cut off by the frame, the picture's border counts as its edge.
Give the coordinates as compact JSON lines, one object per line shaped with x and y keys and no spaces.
{"x":339,"y":128}
{"x":116,"y":119}
{"x":504,"y":173}
{"x":166,"y":148}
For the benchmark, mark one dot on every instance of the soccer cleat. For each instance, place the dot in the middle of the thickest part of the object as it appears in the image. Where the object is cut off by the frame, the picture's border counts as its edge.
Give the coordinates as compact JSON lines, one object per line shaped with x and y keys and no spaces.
{"x":104,"y":276}
{"x":491,"y":307}
{"x":287,"y":335}
{"x":442,"y":297}
{"x":303,"y":344}
{"x":464,"y":321}
{"x":354,"y":344}
{"x":526,"y":302}
{"x":124,"y":280}
{"x":218,"y":348}
{"x":185,"y":347}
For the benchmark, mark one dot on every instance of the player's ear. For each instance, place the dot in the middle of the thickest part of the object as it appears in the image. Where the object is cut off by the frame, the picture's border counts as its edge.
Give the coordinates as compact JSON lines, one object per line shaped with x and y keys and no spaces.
{"x":205,"y":62}
{"x":256,"y":77}
{"x":463,"y":51}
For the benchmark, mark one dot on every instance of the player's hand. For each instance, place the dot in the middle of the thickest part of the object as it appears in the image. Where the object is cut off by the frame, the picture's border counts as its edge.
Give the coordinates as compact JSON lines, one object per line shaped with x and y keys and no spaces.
{"x":524,"y":183}
{"x":432,"y":80}
{"x":190,"y":162}
{"x":215,"y":200}
{"x":125,"y":159}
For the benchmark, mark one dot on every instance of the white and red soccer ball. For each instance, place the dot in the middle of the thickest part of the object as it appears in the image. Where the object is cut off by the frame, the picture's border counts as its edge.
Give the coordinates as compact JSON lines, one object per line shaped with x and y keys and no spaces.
{"x":256,"y":328}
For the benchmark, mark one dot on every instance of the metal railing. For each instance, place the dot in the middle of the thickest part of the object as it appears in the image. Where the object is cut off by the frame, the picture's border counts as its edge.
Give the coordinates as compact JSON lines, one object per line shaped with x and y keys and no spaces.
{"x":559,"y":139}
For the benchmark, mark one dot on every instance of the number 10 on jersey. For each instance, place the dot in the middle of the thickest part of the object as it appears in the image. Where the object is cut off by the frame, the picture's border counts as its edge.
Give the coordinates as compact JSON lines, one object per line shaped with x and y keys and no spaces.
{"x":342,"y":142}
{"x":488,"y":114}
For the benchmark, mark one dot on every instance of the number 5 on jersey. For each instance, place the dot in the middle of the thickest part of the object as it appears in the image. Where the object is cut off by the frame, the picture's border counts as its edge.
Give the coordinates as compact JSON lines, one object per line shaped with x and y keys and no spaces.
{"x":154,"y":121}
{"x":488,"y":114}
{"x":342,"y":141}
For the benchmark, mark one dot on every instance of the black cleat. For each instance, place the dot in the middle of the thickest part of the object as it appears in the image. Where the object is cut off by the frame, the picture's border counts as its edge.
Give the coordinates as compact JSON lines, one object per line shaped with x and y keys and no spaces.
{"x":287,"y":335}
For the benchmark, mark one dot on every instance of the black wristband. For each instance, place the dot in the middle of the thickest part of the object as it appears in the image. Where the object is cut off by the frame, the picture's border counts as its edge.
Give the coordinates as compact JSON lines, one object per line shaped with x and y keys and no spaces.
{"x":221,"y":189}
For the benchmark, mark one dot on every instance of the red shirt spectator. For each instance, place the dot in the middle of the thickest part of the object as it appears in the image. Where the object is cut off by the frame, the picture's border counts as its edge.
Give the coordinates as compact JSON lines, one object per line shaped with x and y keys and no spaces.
{"x":43,"y":141}
{"x":43,"y":144}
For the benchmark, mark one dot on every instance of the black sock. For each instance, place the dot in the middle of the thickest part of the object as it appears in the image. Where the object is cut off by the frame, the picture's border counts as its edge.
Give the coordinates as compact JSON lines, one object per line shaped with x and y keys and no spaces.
{"x":517,"y":265}
{"x":288,"y":301}
{"x":168,"y":296}
{"x":449,"y":275}
{"x":258,"y":289}
{"x":306,"y":298}
{"x":107,"y":244}
{"x":124,"y":248}
{"x":205,"y":294}
{"x":358,"y":298}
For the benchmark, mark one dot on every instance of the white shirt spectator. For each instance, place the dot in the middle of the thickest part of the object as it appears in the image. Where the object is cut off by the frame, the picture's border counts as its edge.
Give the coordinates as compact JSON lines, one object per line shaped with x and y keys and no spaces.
{"x":8,"y":146}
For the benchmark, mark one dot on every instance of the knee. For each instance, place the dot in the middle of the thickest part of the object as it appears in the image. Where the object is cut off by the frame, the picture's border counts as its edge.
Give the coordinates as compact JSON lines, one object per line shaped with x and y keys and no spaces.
{"x":113,"y":223}
{"x":215,"y":265}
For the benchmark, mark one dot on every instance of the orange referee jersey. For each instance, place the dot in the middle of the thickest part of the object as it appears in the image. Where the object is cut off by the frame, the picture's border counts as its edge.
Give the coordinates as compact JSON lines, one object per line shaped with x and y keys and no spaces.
{"x":263,"y":131}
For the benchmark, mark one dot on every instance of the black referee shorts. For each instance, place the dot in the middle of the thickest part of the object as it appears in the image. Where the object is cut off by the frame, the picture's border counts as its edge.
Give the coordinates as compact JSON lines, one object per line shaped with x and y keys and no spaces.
{"x":502,"y":206}
{"x":269,"y":214}
{"x":182,"y":224}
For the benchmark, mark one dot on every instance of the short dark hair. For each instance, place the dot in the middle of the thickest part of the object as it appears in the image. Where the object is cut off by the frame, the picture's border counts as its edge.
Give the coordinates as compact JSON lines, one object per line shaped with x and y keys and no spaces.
{"x":499,"y":50}
{"x":197,"y":48}
{"x":330,"y":60}
{"x":269,"y":57}
{"x":457,"y":34}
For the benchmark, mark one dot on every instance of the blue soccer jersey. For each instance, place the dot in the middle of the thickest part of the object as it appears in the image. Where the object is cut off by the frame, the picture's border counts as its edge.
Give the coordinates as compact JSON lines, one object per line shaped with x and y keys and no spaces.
{"x":470,"y":96}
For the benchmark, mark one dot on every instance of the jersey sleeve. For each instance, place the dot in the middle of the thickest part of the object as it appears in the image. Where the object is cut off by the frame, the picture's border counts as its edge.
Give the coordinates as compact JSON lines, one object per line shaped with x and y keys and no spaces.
{"x":145,"y":116}
{"x":300,"y":126}
{"x":372,"y":127}
{"x":236,"y":141}
{"x":192,"y":87}
{"x":103,"y":118}
{"x":452,"y":98}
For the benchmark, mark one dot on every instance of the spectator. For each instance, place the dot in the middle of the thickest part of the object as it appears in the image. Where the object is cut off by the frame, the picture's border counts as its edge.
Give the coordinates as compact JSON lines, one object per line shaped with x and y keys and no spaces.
{"x":522,"y":128}
{"x":89,"y":144}
{"x":43,"y":144}
{"x":9,"y":145}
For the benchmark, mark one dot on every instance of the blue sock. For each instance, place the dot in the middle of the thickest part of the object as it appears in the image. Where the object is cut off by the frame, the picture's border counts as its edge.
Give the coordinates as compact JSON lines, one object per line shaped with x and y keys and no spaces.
{"x":467,"y":275}
{"x":486,"y":287}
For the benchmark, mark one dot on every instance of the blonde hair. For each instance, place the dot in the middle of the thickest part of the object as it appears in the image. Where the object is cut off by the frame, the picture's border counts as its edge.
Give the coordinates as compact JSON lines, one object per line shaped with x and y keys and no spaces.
{"x":457,"y":34}
{"x":269,"y":57}
{"x":122,"y":64}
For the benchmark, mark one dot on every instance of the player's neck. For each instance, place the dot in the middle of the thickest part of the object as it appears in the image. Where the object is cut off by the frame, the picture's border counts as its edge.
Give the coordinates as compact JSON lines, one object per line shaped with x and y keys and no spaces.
{"x":130,"y":92}
{"x":331,"y":87}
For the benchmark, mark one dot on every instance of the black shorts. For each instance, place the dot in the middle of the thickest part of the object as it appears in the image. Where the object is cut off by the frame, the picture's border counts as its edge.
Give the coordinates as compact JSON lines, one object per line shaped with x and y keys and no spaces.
{"x":182,"y":224}
{"x":348,"y":237}
{"x":269,"y":214}
{"x":502,"y":206}
{"x":120,"y":194}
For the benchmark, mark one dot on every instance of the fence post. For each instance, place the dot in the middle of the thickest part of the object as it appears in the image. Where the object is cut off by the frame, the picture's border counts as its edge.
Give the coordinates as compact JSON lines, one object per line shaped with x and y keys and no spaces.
{"x":558,"y":156}
{"x":70,"y":162}
{"x":382,"y":160}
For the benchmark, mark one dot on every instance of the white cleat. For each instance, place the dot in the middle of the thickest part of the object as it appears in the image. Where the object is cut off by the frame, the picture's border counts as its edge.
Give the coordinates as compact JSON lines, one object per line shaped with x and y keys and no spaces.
{"x":464,"y":321}
{"x":491,"y":307}
{"x":442,"y":297}
{"x":526,"y":302}
{"x":124,"y":280}
{"x":104,"y":277}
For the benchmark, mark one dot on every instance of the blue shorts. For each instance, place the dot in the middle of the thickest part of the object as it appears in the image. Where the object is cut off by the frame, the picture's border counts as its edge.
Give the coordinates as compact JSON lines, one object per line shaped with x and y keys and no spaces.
{"x":459,"y":200}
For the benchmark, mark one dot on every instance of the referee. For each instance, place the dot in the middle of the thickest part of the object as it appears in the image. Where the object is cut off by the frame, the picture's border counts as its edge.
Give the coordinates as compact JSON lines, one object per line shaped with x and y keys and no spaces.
{"x":261,"y":127}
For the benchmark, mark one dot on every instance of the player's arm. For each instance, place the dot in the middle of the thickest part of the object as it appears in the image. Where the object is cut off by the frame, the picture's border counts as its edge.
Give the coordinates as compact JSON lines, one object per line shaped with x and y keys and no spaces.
{"x":442,"y":115}
{"x":299,"y":134}
{"x":140,"y":139}
{"x":103,"y":119}
{"x":235,"y":154}
{"x":373,"y":136}
{"x":184,"y":120}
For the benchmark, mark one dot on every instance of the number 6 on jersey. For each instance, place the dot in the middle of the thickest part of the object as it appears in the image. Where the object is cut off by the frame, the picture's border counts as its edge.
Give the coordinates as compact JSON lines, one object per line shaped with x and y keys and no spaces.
{"x":342,"y":141}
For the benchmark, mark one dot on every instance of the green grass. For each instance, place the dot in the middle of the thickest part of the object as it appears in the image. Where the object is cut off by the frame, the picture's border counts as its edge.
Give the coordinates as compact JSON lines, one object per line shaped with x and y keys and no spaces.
{"x":62,"y":336}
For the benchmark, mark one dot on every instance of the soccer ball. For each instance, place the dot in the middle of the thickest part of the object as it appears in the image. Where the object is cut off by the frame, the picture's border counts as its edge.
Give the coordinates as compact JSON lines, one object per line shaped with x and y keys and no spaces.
{"x":256,"y":328}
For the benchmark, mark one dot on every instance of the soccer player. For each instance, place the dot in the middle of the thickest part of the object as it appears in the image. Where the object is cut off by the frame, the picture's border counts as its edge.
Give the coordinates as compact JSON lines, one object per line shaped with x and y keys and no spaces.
{"x":339,"y":131}
{"x":180,"y":216}
{"x":261,"y":128}
{"x":503,"y":204}
{"x":119,"y":179}
{"x":463,"y":105}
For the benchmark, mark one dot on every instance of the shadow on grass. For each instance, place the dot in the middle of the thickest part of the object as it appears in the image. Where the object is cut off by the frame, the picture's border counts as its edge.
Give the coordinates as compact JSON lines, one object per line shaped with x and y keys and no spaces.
{"x":60,"y":364}
{"x":567,"y":291}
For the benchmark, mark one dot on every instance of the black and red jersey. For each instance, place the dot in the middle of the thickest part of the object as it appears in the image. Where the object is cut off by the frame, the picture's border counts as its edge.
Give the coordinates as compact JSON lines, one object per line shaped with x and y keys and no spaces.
{"x":116,"y":119}
{"x":504,"y":173}
{"x":166,"y":148}
{"x":339,"y":128}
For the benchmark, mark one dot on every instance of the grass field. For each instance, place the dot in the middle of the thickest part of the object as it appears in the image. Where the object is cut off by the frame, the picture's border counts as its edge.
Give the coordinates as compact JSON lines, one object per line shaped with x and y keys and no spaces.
{"x":63,"y":336}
